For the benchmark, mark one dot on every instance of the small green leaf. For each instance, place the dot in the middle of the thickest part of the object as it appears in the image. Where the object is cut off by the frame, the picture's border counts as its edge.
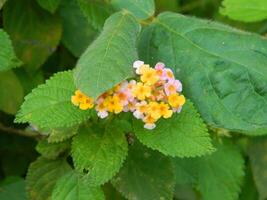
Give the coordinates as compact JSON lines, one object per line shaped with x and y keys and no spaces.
{"x":49,"y":105}
{"x":218,"y":176}
{"x":183,"y":135}
{"x":8,"y":59}
{"x":74,"y":186}
{"x":50,"y":5}
{"x":75,"y":25}
{"x":146,"y":174}
{"x":42,"y":177}
{"x":108,"y":60}
{"x":245,"y":10}
{"x":257,"y":155}
{"x":223,"y":70}
{"x":34,"y":42}
{"x":11,"y":95}
{"x":100,"y":149}
{"x":52,"y":151}
{"x":61,"y":134}
{"x":96,"y":12}
{"x":140,"y":8}
{"x":12,"y":188}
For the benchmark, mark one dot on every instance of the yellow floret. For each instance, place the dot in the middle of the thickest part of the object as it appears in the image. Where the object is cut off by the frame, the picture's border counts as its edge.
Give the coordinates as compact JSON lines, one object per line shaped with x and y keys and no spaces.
{"x":113,"y":104}
{"x":176,"y":100}
{"x":164,"y":110}
{"x":149,"y":76}
{"x":141,"y":91}
{"x":154,"y":110}
{"x":78,"y":98}
{"x":87,"y":103}
{"x":148,"y":119}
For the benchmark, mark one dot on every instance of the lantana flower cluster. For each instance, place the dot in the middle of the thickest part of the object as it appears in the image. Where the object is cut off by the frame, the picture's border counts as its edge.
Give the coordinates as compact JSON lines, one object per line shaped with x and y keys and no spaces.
{"x":154,"y":94}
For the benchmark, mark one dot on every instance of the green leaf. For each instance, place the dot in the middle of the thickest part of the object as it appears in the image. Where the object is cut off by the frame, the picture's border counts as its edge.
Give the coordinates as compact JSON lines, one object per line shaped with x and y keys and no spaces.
{"x":34,"y":42}
{"x":245,"y":10}
{"x":49,"y":105}
{"x":11,"y":95}
{"x":249,"y":190}
{"x":218,"y":176}
{"x":185,"y":192}
{"x":61,"y":134}
{"x":186,"y":170}
{"x":146,"y":174}
{"x":100,"y":149}
{"x":52,"y":151}
{"x":108,"y":60}
{"x":50,"y":5}
{"x":111,"y":193}
{"x":167,"y":5}
{"x":140,"y":8}
{"x":8,"y":59}
{"x":257,"y":155}
{"x":12,"y":188}
{"x":183,"y":135}
{"x":29,"y":80}
{"x":223,"y":69}
{"x":74,"y":186}
{"x":42,"y":177}
{"x":77,"y":33}
{"x":96,"y":12}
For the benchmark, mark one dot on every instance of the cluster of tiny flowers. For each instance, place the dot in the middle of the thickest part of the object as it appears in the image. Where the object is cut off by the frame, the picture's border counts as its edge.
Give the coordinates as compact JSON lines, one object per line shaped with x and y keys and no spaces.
{"x":153,"y":95}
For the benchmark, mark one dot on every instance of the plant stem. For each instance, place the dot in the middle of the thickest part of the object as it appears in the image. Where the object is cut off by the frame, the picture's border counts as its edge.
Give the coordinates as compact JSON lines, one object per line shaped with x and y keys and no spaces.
{"x":20,"y":132}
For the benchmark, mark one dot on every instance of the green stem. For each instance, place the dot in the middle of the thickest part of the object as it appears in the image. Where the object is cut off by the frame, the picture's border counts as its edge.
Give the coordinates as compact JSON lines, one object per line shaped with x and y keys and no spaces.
{"x":20,"y":132}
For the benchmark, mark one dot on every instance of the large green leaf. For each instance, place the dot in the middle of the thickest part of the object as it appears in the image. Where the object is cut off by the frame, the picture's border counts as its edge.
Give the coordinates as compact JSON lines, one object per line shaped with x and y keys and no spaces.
{"x":257,"y":156}
{"x":52,"y":150}
{"x":77,"y":33}
{"x":245,"y":10}
{"x":108,"y":60}
{"x":100,"y":149}
{"x":42,"y":177}
{"x":183,"y":135}
{"x":74,"y":186}
{"x":11,"y":95}
{"x":50,"y":5}
{"x":8,"y":59}
{"x":34,"y":32}
{"x":49,"y":105}
{"x":146,"y":174}
{"x":96,"y":12}
{"x":61,"y":134}
{"x":12,"y":188}
{"x":140,"y":8}
{"x":223,"y":69}
{"x":218,"y":176}
{"x":111,"y":193}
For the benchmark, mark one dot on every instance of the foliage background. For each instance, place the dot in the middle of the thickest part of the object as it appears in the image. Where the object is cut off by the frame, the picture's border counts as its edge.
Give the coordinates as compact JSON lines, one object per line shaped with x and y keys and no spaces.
{"x":50,"y":36}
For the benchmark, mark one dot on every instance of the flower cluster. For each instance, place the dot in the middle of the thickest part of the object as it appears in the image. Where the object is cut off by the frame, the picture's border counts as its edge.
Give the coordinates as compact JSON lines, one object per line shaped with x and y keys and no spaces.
{"x":153,"y":95}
